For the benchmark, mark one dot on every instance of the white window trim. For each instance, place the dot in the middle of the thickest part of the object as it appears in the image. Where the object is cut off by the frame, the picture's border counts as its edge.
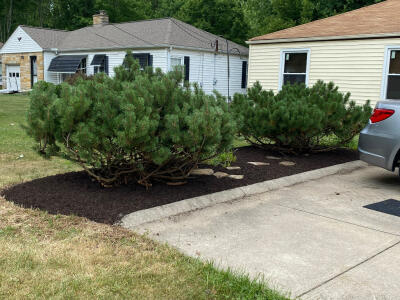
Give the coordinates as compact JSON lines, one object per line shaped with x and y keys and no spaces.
{"x":386,"y":65}
{"x":283,"y":60}
{"x":175,"y":57}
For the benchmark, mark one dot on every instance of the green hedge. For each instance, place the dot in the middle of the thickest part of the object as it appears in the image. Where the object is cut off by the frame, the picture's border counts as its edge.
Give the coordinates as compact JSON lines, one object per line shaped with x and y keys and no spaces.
{"x":139,"y":126}
{"x":299,"y":118}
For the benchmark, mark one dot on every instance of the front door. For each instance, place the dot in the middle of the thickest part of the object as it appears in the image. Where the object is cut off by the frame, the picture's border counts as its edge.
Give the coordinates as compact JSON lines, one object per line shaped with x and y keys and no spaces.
{"x":13,"y":78}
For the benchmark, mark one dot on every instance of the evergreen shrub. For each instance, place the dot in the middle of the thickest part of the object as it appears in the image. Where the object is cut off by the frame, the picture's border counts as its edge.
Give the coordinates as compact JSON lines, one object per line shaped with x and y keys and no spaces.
{"x":299,"y":118}
{"x":140,"y":126}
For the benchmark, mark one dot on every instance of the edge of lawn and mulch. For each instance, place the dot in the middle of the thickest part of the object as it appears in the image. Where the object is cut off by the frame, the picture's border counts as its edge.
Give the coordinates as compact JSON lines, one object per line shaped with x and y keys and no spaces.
{"x":76,"y":194}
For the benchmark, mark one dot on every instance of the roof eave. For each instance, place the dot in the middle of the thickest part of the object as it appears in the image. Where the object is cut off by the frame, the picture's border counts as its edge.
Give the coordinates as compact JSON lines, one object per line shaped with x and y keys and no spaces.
{"x":325,"y":38}
{"x":161,"y":46}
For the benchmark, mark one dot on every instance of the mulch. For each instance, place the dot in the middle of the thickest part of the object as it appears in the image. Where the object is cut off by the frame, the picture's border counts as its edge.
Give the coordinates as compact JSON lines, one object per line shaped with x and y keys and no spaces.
{"x":76,"y":194}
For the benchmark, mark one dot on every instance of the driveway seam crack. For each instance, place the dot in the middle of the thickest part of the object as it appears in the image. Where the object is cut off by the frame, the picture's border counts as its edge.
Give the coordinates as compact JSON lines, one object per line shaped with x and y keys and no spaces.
{"x":338,"y":220}
{"x":348,"y":270}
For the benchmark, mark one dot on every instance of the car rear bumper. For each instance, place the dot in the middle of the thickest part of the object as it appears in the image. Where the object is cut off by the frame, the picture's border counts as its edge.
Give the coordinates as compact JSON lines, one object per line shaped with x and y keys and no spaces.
{"x":377,"y":148}
{"x":372,"y":158}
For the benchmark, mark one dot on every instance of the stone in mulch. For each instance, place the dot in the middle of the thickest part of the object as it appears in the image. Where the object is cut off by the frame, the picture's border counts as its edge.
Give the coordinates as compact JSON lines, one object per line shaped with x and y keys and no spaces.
{"x":233,"y":168}
{"x":237,"y":177}
{"x":202,"y":172}
{"x":273,"y":157}
{"x":287,"y":163}
{"x":258,"y":163}
{"x":221,"y":175}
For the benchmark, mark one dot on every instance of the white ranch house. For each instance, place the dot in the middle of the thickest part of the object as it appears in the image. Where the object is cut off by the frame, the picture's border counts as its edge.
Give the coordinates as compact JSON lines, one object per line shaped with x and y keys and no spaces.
{"x":33,"y":54}
{"x":359,"y":51}
{"x":1,"y":73}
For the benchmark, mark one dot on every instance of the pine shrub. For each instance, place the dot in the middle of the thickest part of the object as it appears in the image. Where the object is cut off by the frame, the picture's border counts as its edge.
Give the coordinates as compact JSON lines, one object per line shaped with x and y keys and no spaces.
{"x":299,"y":118}
{"x":140,"y":126}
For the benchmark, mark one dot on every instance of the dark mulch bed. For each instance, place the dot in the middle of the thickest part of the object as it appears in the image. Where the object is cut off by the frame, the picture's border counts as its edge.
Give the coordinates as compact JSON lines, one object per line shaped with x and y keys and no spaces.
{"x":75,"y":193}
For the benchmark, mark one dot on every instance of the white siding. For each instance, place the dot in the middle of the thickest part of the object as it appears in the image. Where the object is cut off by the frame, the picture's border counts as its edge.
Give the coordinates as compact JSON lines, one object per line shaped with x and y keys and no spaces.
{"x":210,"y":71}
{"x":356,"y":66}
{"x":20,"y":42}
{"x":116,"y":58}
{"x":49,"y":76}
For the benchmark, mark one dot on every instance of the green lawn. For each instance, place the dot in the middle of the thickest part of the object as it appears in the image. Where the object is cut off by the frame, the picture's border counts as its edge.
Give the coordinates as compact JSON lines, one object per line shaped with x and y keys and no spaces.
{"x":47,"y":256}
{"x":15,"y":143}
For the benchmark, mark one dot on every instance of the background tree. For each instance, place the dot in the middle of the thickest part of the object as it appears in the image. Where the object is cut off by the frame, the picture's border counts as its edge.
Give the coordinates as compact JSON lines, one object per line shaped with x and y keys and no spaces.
{"x":237,"y":20}
{"x":221,"y":17}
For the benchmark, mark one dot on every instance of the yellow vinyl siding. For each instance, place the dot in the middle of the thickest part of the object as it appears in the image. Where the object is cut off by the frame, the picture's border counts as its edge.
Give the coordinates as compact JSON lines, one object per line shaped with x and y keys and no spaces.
{"x":356,"y":66}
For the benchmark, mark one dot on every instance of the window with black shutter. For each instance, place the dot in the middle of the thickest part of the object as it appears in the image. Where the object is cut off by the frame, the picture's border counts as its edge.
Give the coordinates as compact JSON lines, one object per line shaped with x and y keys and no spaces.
{"x":244,"y":74}
{"x":100,"y":63}
{"x":145,"y":59}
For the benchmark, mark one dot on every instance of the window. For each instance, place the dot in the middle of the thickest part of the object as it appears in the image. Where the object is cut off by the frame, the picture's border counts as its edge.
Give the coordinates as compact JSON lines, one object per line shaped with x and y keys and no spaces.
{"x":82,"y":66}
{"x":34,"y":74}
{"x":392,"y":75}
{"x":98,"y":69}
{"x":100,"y":63}
{"x":145,"y":59}
{"x":182,"y":61}
{"x":294,"y":67}
{"x":65,"y":76}
{"x":176,"y":61}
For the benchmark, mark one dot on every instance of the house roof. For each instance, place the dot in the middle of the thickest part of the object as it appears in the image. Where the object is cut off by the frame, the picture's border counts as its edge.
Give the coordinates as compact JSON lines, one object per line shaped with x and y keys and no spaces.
{"x":147,"y":33}
{"x":374,"y":20}
{"x":45,"y":37}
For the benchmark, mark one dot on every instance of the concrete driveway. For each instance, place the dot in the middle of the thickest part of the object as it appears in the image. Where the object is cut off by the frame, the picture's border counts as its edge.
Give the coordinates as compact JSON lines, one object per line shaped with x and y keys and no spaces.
{"x":314,"y":240}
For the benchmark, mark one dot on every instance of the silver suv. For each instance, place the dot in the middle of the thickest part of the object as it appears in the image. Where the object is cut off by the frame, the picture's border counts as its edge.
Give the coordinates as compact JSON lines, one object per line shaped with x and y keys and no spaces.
{"x":379,"y":142}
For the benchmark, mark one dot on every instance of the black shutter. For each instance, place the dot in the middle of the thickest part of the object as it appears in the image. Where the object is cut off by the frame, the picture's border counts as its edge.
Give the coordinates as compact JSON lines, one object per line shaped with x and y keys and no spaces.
{"x":187,"y":67}
{"x":150,"y":60}
{"x":106,"y":65}
{"x":244,"y":74}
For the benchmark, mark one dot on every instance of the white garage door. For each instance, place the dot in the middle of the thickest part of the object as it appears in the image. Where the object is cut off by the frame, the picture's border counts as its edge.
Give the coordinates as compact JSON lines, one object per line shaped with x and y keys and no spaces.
{"x":13,"y":78}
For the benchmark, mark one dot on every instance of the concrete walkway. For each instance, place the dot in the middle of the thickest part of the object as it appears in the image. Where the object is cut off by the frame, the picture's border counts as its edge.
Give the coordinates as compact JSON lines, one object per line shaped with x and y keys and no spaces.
{"x":314,"y":240}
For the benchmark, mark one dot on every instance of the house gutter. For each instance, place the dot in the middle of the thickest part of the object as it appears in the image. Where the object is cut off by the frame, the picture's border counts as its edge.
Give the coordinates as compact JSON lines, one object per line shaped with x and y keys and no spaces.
{"x":325,"y":38}
{"x":161,"y":46}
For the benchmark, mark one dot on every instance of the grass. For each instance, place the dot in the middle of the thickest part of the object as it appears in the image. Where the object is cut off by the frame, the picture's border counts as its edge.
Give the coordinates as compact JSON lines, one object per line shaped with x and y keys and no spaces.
{"x":18,"y":162}
{"x":331,"y":141}
{"x":56,"y":256}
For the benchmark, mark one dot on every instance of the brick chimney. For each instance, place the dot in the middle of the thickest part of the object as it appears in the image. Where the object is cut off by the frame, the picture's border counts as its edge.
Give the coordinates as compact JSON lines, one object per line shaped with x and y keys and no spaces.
{"x":100,"y":19}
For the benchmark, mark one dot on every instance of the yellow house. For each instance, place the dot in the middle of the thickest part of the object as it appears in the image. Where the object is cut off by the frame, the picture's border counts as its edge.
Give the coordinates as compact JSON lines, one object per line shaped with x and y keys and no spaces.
{"x":359,"y":51}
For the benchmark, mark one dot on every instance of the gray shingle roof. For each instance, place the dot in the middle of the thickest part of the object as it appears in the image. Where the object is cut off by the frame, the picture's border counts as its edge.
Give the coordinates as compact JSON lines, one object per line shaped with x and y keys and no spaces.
{"x":46,"y":38}
{"x":147,"y":33}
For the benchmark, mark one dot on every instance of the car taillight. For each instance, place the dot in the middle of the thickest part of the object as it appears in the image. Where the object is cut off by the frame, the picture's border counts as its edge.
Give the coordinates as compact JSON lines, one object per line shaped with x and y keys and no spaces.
{"x":381,"y":114}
